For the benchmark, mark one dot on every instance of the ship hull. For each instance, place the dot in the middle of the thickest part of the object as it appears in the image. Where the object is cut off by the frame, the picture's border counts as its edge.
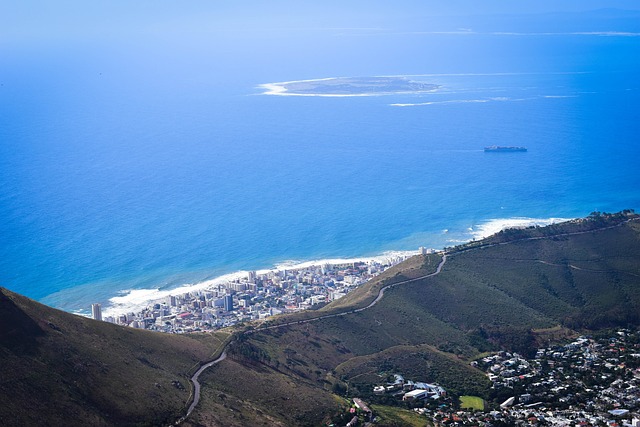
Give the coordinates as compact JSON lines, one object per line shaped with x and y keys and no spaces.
{"x":499,"y":149}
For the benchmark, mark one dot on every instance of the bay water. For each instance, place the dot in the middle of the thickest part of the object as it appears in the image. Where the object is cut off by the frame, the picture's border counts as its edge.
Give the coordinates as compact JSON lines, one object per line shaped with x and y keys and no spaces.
{"x":156,"y":161}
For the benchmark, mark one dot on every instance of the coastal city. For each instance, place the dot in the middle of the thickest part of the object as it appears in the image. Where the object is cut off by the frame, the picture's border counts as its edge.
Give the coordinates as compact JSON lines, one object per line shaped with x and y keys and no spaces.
{"x":256,"y":296}
{"x":590,"y":381}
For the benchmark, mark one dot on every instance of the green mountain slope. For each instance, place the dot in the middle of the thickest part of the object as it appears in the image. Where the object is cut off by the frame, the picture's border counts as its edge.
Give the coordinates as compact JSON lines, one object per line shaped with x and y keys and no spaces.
{"x":512,"y":291}
{"x":501,"y":293}
{"x":60,"y":369}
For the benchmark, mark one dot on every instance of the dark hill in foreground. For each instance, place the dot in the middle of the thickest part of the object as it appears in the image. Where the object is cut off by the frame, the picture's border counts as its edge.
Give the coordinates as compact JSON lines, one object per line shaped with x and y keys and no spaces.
{"x":60,"y":369}
{"x":514,"y":291}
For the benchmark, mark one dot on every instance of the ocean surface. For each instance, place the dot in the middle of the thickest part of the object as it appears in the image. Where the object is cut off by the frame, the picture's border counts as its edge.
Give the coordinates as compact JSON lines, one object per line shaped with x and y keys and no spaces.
{"x":157,"y":161}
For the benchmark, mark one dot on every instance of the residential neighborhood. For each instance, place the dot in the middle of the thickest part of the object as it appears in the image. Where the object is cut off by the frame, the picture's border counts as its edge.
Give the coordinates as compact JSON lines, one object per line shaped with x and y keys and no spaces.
{"x":591,"y":381}
{"x":410,"y":390}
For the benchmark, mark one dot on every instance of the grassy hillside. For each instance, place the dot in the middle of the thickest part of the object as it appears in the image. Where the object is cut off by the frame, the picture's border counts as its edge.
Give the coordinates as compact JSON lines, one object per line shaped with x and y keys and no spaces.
{"x":510,"y":292}
{"x":255,"y":394}
{"x":366,"y":293}
{"x":60,"y":369}
{"x":416,"y":361}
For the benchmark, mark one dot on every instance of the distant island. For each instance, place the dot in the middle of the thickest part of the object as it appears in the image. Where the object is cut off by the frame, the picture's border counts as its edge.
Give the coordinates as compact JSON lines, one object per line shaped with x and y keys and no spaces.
{"x":349,"y":86}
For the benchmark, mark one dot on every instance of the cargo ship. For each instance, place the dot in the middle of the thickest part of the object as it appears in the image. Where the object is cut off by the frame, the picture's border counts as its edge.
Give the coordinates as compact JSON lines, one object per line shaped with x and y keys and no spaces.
{"x":501,"y":149}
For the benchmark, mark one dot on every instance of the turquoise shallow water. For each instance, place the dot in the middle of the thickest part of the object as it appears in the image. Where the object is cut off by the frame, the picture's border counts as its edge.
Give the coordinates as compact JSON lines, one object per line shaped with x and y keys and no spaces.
{"x":151,"y":166}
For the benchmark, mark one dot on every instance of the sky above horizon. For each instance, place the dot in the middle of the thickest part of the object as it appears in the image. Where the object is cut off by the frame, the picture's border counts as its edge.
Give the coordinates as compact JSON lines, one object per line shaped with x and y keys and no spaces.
{"x":37,"y":20}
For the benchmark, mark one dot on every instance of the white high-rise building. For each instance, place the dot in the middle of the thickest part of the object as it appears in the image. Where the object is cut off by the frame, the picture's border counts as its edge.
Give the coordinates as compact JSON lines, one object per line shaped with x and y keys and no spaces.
{"x":251,"y":276}
{"x":171,"y":301}
{"x":96,"y":311}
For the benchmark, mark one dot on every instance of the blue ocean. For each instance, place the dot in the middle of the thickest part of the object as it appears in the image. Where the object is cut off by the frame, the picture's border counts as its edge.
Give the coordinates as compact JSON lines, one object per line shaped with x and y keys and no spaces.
{"x":153,"y":159}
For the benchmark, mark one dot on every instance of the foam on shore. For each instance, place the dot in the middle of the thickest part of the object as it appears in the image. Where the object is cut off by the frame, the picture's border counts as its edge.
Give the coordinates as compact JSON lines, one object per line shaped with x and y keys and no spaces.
{"x":135,"y":300}
{"x":297,"y":265}
{"x":493,"y":226}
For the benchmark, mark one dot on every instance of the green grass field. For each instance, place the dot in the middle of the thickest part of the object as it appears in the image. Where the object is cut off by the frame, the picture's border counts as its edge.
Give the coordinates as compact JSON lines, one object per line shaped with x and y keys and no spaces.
{"x":472,"y":402}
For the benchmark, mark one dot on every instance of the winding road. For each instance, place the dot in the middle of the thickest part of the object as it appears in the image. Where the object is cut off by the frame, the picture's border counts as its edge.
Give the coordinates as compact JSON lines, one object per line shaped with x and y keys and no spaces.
{"x":357,"y":310}
{"x":223,"y":355}
{"x":196,"y":383}
{"x":194,"y":378}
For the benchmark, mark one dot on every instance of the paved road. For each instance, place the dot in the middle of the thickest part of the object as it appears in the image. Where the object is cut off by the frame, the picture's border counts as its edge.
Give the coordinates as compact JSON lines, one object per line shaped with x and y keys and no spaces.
{"x":357,"y":310}
{"x":194,"y":378}
{"x":196,"y":383}
{"x":223,"y":356}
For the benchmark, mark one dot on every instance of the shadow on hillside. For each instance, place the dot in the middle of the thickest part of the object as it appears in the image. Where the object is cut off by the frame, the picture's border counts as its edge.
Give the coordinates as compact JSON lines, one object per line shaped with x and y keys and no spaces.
{"x":18,"y":331}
